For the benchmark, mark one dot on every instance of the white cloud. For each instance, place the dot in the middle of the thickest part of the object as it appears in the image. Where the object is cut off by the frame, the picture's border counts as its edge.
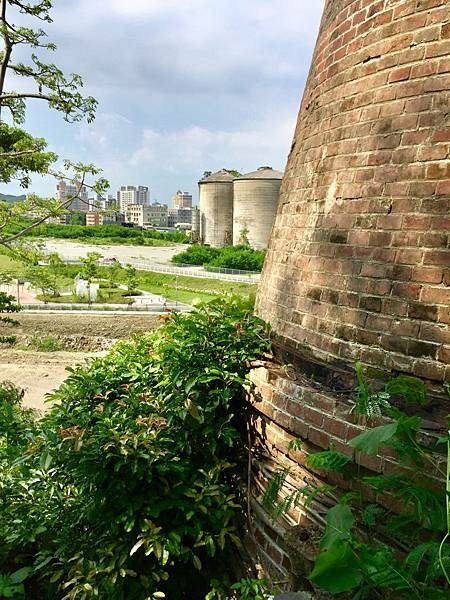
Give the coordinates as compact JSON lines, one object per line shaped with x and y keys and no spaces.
{"x":183,"y":85}
{"x":105,"y":132}
{"x":198,"y":149}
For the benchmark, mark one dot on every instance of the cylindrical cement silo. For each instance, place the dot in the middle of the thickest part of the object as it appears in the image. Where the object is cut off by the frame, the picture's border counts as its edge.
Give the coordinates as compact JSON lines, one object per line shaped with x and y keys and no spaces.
{"x":216,"y":209}
{"x":255,"y":205}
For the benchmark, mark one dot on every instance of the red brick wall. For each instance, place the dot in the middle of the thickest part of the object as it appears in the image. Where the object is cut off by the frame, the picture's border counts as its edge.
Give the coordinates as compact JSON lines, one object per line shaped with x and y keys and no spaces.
{"x":358,"y":265}
{"x":284,"y":410}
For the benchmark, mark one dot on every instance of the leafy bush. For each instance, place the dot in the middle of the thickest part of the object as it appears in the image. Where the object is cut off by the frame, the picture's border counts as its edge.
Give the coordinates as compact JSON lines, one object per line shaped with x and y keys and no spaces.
{"x":127,"y":490}
{"x":16,"y":422}
{"x":240,"y":257}
{"x":102,"y":232}
{"x":8,"y":306}
{"x":44,"y":343}
{"x":196,"y":255}
{"x":230,"y":257}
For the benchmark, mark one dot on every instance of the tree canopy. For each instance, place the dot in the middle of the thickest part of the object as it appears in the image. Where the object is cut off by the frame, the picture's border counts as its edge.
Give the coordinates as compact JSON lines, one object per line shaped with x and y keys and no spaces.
{"x":21,"y":154}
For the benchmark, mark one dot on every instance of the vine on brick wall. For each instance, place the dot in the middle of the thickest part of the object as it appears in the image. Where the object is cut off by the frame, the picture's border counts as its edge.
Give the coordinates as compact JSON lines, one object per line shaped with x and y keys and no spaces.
{"x":397,"y":545}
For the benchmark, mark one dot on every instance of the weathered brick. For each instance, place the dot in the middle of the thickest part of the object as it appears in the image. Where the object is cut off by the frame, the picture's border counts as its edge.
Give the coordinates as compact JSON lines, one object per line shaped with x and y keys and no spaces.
{"x":427,"y":274}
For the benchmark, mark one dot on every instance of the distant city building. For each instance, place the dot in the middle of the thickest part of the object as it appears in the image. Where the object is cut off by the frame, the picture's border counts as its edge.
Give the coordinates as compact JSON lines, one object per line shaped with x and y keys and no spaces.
{"x":157,"y":215}
{"x":97,"y":204}
{"x":136,"y":214}
{"x":184,"y":215}
{"x":114,"y":218}
{"x":182,"y":200}
{"x":78,"y":195}
{"x":94,"y":218}
{"x":177,"y":216}
{"x":130,"y":194}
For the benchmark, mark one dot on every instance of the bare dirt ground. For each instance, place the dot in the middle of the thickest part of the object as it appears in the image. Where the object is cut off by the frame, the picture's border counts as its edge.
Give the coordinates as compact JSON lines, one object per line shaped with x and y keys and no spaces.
{"x":39,"y":373}
{"x":75,"y":250}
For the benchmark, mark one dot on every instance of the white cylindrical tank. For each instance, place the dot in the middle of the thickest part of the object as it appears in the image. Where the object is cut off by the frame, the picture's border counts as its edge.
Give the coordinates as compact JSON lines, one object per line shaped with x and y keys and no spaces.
{"x":216,"y":209}
{"x":255,"y":206}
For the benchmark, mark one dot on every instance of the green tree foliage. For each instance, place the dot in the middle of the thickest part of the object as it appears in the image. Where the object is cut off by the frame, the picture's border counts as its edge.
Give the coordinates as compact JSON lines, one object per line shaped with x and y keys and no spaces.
{"x":43,"y":280}
{"x":116,"y":233}
{"x":16,"y":424}
{"x":8,"y":306}
{"x":78,"y":217}
{"x":89,"y":270}
{"x":22,"y":155}
{"x":113,"y":273}
{"x":131,"y":278}
{"x":126,"y":489}
{"x":230,"y":257}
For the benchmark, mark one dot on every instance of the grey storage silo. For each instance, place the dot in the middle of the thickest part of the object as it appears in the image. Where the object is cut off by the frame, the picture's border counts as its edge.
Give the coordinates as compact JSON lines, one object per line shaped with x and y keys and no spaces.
{"x":216,"y":209}
{"x":255,"y":205}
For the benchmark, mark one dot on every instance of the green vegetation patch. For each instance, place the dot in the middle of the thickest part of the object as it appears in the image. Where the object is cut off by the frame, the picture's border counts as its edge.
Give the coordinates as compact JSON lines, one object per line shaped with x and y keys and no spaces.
{"x":103,"y":234}
{"x":124,"y":488}
{"x":242,"y":258}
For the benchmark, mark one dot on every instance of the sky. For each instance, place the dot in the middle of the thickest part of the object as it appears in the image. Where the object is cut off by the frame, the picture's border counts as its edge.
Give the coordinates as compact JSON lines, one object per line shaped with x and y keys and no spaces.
{"x":184,"y":86}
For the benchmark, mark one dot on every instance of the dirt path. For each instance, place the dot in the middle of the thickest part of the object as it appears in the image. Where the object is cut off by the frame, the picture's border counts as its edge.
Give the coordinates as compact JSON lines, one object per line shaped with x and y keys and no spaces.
{"x":39,"y":373}
{"x":109,"y":326}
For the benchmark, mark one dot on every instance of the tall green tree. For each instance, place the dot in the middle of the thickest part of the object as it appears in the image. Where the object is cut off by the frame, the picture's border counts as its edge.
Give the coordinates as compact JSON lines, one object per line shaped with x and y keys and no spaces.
{"x":41,"y":279}
{"x":7,"y":306}
{"x":131,"y":279}
{"x":21,"y":154}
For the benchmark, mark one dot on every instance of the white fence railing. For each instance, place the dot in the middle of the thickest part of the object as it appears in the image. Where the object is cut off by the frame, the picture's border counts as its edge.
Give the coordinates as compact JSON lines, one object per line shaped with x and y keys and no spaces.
{"x":188,"y":270}
{"x":125,"y":308}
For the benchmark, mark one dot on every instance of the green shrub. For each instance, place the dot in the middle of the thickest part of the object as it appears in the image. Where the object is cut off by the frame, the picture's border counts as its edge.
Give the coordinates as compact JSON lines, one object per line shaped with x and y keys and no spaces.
{"x":101,"y":233}
{"x":44,"y":343}
{"x":239,"y":257}
{"x":242,"y":258}
{"x":16,"y":422}
{"x":127,"y":492}
{"x":8,"y":306}
{"x":196,"y":255}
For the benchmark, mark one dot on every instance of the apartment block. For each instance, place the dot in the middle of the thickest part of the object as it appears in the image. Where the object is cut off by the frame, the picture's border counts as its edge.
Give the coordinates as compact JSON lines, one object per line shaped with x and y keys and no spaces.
{"x":182,"y":200}
{"x":76,"y":196}
{"x":130,"y":194}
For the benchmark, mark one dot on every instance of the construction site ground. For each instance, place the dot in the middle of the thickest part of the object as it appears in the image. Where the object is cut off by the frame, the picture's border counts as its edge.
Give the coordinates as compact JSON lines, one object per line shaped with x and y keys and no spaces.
{"x":38,"y":373}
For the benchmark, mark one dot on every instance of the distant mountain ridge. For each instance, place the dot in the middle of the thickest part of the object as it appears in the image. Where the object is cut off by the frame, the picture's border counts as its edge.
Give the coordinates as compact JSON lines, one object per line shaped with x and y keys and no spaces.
{"x":11,"y":198}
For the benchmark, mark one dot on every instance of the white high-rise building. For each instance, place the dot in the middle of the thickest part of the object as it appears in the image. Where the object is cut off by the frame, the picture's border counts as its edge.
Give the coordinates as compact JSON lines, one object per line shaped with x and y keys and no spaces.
{"x":130,"y":194}
{"x":77,"y":194}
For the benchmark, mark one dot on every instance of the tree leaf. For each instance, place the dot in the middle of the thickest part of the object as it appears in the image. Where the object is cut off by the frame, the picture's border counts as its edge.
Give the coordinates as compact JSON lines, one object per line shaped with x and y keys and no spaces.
{"x":136,"y":547}
{"x":370,"y":441}
{"x":340,"y":520}
{"x":45,"y":460}
{"x":335,"y":569}
{"x":20,"y":575}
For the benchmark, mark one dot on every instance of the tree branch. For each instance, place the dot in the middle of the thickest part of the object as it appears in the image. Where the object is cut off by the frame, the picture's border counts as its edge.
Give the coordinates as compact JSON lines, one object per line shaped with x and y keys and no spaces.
{"x":18,"y":153}
{"x":19,"y":95}
{"x":7,"y":241}
{"x":8,"y":49}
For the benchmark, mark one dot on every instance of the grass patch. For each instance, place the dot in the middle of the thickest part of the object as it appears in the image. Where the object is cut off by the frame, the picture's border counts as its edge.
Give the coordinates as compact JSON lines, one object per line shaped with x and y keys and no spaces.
{"x":43,"y":343}
{"x":9,"y":264}
{"x":190,"y":288}
{"x":181,"y":288}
